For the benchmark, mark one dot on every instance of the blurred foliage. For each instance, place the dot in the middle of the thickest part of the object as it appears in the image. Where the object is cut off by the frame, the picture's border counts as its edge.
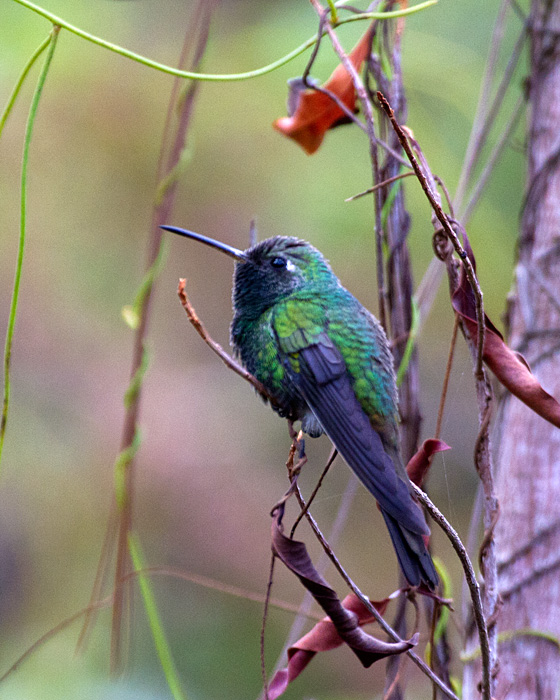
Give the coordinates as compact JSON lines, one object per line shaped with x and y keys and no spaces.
{"x":211,"y":463}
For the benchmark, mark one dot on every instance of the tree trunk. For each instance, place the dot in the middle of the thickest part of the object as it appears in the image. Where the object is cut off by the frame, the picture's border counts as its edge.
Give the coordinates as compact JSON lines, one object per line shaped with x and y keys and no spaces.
{"x":528,"y":484}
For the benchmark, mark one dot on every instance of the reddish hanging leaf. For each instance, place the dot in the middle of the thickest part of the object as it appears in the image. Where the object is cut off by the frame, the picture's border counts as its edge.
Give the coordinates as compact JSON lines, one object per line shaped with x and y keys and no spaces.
{"x":314,"y":113}
{"x":510,"y":368}
{"x":419,"y":464}
{"x":344,"y":621}
{"x":323,"y":637}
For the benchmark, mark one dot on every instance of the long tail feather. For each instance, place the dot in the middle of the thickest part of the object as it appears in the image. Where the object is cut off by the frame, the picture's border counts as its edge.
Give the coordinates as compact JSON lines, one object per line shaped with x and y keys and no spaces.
{"x":412,"y":554}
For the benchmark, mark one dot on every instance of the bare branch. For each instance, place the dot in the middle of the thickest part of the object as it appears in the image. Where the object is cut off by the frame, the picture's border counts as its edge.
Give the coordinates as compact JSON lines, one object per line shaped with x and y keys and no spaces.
{"x":315,"y":491}
{"x":483,"y":460}
{"x":304,"y":610}
{"x":448,"y":229}
{"x":217,"y":348}
{"x":386,"y":182}
{"x":472,"y":583}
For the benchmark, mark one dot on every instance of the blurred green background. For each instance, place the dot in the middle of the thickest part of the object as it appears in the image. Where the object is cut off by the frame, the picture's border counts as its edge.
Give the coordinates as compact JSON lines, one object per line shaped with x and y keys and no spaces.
{"x":212,"y":459}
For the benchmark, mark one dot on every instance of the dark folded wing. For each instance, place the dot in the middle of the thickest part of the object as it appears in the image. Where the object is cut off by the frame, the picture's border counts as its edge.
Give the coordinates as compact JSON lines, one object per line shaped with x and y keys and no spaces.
{"x":326,"y":387}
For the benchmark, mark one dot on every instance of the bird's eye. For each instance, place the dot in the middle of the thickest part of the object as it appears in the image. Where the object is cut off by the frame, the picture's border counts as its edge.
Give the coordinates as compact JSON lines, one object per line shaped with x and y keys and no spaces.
{"x":278,"y":262}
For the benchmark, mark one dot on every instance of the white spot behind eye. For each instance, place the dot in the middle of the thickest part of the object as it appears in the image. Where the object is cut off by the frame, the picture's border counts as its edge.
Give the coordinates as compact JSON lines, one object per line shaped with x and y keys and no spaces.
{"x":290,"y":266}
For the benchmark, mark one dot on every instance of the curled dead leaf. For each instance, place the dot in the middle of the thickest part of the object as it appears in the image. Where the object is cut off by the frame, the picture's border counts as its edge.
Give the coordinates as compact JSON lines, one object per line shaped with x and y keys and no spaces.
{"x":323,"y":637}
{"x":419,"y":464}
{"x":508,"y":367}
{"x":344,"y":621}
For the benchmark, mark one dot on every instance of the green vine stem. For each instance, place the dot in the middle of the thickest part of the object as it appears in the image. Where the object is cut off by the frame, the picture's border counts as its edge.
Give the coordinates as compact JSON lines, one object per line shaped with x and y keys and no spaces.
{"x":158,"y":634}
{"x":23,"y":220}
{"x":508,"y":635}
{"x":413,"y":334}
{"x":334,"y":13}
{"x":21,"y":80}
{"x":216,"y":77}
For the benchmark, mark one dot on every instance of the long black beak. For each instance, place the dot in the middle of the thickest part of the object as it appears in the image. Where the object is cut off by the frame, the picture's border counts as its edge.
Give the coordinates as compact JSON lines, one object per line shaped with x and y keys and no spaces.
{"x":228,"y":250}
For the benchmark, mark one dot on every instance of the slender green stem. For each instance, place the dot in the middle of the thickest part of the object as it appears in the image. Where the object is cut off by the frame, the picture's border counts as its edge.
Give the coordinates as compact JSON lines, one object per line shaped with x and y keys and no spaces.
{"x":158,"y":634}
{"x":132,"y":313}
{"x":412,"y":334}
{"x":213,"y":76}
{"x":122,"y":464}
{"x":446,"y":592}
{"x":392,"y":14}
{"x":508,"y":635}
{"x":21,"y":80}
{"x":391,"y":196}
{"x":21,"y":247}
{"x":334,"y":13}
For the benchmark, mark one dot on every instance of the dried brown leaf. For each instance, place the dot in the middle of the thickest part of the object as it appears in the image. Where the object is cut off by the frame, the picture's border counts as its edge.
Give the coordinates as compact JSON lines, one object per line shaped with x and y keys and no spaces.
{"x":343,"y":624}
{"x":323,"y":637}
{"x":509,"y":367}
{"x":417,"y":468}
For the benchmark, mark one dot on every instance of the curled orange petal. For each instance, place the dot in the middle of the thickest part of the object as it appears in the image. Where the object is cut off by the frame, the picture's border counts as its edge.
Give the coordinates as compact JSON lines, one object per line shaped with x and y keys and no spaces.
{"x":315,"y":113}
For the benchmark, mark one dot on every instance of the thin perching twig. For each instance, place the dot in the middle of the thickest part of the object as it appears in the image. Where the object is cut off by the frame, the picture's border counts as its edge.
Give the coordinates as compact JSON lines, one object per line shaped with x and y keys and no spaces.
{"x":217,"y":348}
{"x":386,"y":182}
{"x":315,"y":491}
{"x":304,"y":609}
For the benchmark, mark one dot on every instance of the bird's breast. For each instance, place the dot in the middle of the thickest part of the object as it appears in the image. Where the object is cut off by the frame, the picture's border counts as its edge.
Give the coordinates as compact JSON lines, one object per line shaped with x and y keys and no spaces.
{"x":256,"y":345}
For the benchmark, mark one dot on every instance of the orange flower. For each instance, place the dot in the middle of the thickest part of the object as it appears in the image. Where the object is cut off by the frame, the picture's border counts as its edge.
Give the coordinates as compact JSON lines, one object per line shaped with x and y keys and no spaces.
{"x":315,"y":112}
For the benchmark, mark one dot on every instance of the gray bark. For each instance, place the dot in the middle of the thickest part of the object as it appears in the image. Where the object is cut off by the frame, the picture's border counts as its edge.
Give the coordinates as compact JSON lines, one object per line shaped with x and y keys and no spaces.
{"x":528,"y":483}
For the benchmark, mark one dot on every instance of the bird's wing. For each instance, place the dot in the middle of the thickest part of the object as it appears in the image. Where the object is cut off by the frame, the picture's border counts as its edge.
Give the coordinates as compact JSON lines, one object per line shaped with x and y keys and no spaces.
{"x":318,"y":370}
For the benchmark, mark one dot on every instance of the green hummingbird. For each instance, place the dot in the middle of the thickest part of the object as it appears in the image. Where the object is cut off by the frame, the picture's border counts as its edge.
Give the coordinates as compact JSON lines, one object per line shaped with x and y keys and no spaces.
{"x":326,"y":360}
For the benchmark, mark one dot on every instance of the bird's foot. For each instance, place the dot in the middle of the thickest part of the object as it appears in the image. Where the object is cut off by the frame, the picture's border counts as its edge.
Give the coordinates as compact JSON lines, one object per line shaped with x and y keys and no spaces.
{"x":286,"y":496}
{"x":291,"y":430}
{"x":296,"y":469}
{"x":298,"y":446}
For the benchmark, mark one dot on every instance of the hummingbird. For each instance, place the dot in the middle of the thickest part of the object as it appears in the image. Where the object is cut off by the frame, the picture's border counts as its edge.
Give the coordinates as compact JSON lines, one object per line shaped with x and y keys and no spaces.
{"x":326,"y":361}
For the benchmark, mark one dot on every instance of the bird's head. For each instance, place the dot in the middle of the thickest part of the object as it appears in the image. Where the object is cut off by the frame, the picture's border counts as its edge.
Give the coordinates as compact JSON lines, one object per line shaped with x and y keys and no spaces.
{"x":271,"y":270}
